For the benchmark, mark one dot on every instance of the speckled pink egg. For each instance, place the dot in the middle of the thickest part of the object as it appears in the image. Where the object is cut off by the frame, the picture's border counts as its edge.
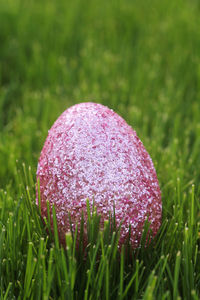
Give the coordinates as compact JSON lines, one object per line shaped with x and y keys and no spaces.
{"x":92,"y":153}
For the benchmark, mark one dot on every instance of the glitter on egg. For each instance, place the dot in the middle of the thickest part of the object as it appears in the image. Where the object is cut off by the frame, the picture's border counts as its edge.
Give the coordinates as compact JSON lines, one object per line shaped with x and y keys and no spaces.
{"x":92,"y":153}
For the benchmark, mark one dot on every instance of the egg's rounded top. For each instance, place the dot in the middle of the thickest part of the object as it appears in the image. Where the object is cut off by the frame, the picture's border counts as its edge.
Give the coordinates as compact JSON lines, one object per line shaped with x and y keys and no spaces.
{"x":91,"y":152}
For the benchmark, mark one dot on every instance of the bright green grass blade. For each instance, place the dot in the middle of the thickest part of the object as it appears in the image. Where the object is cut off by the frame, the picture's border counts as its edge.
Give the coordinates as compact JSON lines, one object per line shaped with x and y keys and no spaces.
{"x":55,"y":228}
{"x":176,"y":275}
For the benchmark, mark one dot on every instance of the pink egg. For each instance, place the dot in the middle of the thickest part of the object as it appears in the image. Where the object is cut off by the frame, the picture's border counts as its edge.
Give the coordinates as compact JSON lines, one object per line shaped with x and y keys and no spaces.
{"x":92,"y":153}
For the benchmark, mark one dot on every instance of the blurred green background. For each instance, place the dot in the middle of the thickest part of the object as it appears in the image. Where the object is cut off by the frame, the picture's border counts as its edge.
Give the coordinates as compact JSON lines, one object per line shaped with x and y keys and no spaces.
{"x":140,"y":58}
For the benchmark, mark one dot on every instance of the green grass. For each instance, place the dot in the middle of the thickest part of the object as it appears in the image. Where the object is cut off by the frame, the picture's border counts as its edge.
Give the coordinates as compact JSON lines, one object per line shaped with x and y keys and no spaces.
{"x":140,"y":58}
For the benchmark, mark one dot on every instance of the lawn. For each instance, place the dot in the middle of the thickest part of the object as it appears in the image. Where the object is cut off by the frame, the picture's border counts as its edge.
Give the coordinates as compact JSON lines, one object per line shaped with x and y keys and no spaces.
{"x":140,"y":58}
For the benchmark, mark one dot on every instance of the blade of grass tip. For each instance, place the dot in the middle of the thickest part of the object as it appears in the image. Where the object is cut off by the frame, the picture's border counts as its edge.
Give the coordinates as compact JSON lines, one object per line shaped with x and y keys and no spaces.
{"x":189,"y":256}
{"x":48,"y":220}
{"x":186,"y":253}
{"x":138,"y":266}
{"x":3,"y":204}
{"x":161,"y":233}
{"x":39,"y":270}
{"x":163,"y":259}
{"x":166,"y":295}
{"x":91,"y":270}
{"x":100,"y":276}
{"x":73,"y":274}
{"x":148,"y":295}
{"x":114,"y":248}
{"x":178,"y":190}
{"x":88,"y":211}
{"x":102,"y":244}
{"x":81,"y":237}
{"x":41,"y":264}
{"x":31,"y":178}
{"x":107,"y":279}
{"x":129,"y":252}
{"x":72,"y":265}
{"x":58,"y":271}
{"x":74,"y":241}
{"x":64,"y":268}
{"x":6,"y":296}
{"x":25,"y":174}
{"x":96,"y":220}
{"x":106,"y":232}
{"x":70,"y":224}
{"x":50,"y":273}
{"x":30,"y":268}
{"x":55,"y":228}
{"x":120,"y":292}
{"x":196,"y":255}
{"x":171,"y":244}
{"x":33,"y":291}
{"x":28,"y":226}
{"x":6,"y":263}
{"x":93,"y":207}
{"x":192,"y":219}
{"x":194,"y":295}
{"x":41,"y":248}
{"x":105,"y":251}
{"x":2,"y":238}
{"x":114,"y":219}
{"x":134,"y":276}
{"x":140,"y":279}
{"x":145,"y":233}
{"x":33,"y":211}
{"x":191,"y":277}
{"x":176,"y":275}
{"x":29,"y":202}
{"x":19,"y":284}
{"x":69,"y":243}
{"x":39,"y":196}
{"x":169,"y":274}
{"x":44,"y":286}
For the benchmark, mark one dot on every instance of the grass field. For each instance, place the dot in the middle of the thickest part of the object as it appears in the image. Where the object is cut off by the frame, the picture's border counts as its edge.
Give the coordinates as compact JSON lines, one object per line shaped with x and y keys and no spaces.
{"x":140,"y":58}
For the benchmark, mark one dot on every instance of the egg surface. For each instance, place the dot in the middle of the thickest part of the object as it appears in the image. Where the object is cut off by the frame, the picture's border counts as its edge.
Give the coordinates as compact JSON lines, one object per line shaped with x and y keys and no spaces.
{"x":92,"y":153}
